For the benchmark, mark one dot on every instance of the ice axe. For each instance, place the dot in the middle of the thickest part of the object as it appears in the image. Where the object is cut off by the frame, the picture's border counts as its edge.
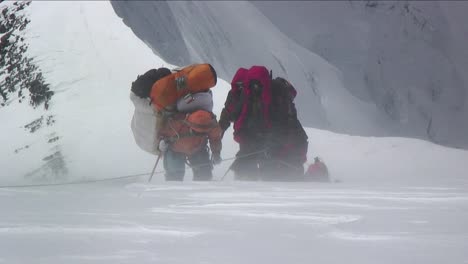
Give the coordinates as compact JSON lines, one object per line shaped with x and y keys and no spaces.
{"x":230,"y":166}
{"x":154,"y":168}
{"x":241,"y":156}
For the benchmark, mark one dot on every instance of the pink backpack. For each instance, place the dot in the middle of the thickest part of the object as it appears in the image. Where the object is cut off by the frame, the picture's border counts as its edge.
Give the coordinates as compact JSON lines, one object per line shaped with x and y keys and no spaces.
{"x":262,"y":76}
{"x":233,"y":100}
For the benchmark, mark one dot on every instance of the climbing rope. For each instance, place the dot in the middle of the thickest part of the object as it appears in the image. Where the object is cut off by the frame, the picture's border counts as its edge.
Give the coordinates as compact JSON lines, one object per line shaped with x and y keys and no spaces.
{"x":120,"y":177}
{"x":75,"y":182}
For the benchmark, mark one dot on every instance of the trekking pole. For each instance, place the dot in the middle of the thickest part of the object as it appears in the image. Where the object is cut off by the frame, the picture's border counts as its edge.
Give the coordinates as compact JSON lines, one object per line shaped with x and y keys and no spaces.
{"x":229,"y":168}
{"x":239,"y":157}
{"x":154,"y":168}
{"x":288,"y":165}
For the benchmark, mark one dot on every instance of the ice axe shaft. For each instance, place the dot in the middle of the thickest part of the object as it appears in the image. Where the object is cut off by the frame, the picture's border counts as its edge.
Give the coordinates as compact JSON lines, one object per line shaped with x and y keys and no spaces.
{"x":222,"y":178}
{"x":239,"y":157}
{"x":154,"y":168}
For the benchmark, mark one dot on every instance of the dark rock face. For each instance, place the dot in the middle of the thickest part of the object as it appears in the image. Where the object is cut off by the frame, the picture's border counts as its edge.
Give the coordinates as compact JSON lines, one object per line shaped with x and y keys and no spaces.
{"x":21,"y":80}
{"x":53,"y":168}
{"x":18,"y":74}
{"x":403,"y":61}
{"x":38,"y":123}
{"x":170,"y":43}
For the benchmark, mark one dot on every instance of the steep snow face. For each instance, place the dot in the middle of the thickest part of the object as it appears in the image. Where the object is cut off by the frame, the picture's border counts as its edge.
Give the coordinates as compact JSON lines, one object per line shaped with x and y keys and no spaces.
{"x":89,"y":59}
{"x":235,"y":34}
{"x":408,"y":57}
{"x":400,"y":64}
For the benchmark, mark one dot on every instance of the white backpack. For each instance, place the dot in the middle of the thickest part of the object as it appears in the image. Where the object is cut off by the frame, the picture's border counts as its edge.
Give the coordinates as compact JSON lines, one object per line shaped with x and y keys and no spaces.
{"x":144,"y":124}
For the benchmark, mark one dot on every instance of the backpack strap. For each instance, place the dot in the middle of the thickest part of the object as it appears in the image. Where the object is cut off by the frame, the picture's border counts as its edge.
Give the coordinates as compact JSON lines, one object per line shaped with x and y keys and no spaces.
{"x":208,"y":126}
{"x":191,"y":133}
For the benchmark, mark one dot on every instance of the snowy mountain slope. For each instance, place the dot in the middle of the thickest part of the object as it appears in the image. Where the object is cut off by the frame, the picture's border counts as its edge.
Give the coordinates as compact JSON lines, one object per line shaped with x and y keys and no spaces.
{"x":401,"y":62}
{"x":396,"y":200}
{"x":89,"y":59}
{"x":212,"y":33}
{"x":408,"y":57}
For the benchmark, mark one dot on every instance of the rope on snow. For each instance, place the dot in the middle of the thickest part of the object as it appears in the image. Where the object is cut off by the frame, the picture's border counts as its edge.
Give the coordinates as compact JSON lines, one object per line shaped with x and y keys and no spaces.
{"x":116,"y":178}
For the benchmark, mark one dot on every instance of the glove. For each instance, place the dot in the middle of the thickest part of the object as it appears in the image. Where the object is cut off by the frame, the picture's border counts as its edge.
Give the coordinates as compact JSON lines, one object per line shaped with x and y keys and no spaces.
{"x":163,"y":146}
{"x":224,"y":121}
{"x":224,"y":124}
{"x":216,"y":158}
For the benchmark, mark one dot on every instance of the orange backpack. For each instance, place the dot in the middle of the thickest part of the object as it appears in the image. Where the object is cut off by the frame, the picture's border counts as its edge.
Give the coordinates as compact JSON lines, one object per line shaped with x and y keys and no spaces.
{"x":190,"y":79}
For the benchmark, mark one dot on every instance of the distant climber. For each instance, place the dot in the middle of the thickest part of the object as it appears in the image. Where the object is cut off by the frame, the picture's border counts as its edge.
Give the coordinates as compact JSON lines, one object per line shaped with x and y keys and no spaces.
{"x":317,"y":171}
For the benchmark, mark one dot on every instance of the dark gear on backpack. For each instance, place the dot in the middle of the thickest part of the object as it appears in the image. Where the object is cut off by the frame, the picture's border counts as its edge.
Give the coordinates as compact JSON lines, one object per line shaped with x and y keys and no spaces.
{"x":141,"y":87}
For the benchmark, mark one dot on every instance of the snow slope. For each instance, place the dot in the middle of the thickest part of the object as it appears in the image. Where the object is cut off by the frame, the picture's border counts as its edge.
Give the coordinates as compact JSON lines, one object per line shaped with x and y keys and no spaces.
{"x":393,"y":200}
{"x":411,"y":211}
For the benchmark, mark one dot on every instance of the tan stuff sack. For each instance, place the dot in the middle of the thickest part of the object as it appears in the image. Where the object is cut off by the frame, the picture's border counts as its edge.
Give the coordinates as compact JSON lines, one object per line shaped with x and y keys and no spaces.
{"x":194,"y":102}
{"x":188,"y":80}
